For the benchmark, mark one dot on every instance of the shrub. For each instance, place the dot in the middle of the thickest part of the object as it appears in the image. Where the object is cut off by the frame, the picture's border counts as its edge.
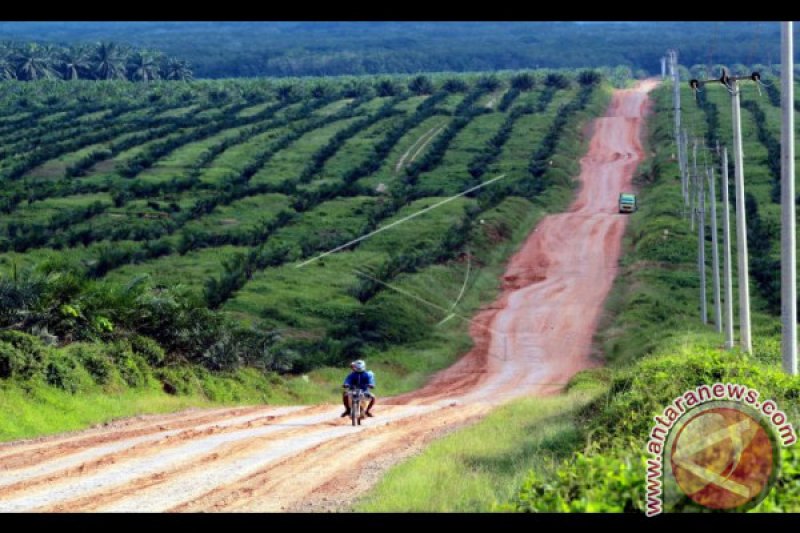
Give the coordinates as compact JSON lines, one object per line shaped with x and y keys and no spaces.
{"x":179,"y":380}
{"x":21,"y":355}
{"x":585,"y":483}
{"x":95,"y":359}
{"x":149,"y":349}
{"x":132,"y":368}
{"x":11,"y":360}
{"x":65,"y":373}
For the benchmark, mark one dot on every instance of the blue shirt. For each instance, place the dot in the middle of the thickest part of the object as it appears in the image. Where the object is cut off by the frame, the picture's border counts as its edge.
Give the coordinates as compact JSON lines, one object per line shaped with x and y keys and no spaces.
{"x":360,"y":380}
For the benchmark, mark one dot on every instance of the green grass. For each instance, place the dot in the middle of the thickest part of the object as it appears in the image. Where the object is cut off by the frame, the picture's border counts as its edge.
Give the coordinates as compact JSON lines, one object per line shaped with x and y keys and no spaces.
{"x":411,"y":103}
{"x":581,"y":451}
{"x":289,"y":163}
{"x":657,"y":348}
{"x":234,"y":160}
{"x":308,"y":299}
{"x":109,"y":166}
{"x":471,"y":470}
{"x":358,"y":147}
{"x":388,"y":172}
{"x":43,"y":410}
{"x":94,"y":117}
{"x":30,"y":258}
{"x":333,"y":107}
{"x":307,"y":309}
{"x":451,"y":177}
{"x":252,"y":110}
{"x":191,"y":270}
{"x":41,"y":211}
{"x":178,"y":111}
{"x":329,"y":222}
{"x":416,"y":232}
{"x":35,"y":409}
{"x":528,"y":131}
{"x":179,"y":161}
{"x":244,"y":214}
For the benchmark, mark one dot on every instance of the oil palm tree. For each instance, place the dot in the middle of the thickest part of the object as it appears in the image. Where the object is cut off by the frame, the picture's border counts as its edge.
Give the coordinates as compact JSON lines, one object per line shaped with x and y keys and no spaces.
{"x":176,"y":69}
{"x":523,"y":82}
{"x":489,"y":83}
{"x":143,"y":66}
{"x":7,"y":69}
{"x":34,"y":62}
{"x":76,"y":62}
{"x":109,"y":63}
{"x":387,"y":87}
{"x":420,"y":85}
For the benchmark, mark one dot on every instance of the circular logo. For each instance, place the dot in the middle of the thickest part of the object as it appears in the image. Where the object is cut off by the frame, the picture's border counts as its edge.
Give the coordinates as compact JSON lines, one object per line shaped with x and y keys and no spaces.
{"x":723,"y":457}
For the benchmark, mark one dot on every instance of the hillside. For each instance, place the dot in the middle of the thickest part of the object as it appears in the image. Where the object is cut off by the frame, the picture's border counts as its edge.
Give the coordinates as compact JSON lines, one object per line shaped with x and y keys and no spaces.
{"x":585,"y":450}
{"x":146,"y":226}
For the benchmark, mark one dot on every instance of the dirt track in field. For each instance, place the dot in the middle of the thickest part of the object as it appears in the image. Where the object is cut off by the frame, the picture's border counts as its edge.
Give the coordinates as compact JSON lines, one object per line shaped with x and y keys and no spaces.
{"x":530,"y":341}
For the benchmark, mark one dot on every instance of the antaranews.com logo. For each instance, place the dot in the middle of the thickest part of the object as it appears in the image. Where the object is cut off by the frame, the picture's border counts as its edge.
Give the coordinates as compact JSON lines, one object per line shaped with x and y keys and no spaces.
{"x":715,"y":447}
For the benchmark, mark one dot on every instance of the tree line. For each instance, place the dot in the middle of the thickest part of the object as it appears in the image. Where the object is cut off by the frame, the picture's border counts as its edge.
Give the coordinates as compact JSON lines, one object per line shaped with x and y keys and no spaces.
{"x":102,"y":61}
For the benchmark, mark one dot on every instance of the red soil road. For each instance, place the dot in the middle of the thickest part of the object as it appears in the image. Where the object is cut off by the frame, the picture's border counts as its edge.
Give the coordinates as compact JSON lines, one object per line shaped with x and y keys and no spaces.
{"x":528,"y":342}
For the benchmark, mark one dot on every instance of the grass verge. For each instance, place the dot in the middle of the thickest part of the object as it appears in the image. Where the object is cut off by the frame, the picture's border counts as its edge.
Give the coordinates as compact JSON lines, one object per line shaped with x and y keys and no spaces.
{"x":577,"y":454}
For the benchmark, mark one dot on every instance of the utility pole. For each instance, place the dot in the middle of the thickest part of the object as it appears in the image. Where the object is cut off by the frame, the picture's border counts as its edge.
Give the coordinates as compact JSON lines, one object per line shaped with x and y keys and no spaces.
{"x":731,"y":83}
{"x":741,"y":225}
{"x":788,"y":254}
{"x":685,"y":145}
{"x":663,"y":67}
{"x":701,"y":248}
{"x":676,"y":100}
{"x":715,"y":251}
{"x":726,"y":244}
{"x":693,"y":183}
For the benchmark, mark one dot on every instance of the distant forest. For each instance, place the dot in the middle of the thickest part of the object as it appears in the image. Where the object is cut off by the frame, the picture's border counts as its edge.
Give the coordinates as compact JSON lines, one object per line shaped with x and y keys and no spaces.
{"x":244,"y":49}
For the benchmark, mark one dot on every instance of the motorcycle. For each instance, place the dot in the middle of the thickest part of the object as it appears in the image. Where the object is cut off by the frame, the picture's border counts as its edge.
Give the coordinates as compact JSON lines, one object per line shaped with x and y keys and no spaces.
{"x":358,"y":405}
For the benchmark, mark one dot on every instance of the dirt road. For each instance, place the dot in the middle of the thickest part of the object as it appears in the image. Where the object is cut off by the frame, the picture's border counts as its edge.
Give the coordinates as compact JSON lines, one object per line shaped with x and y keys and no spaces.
{"x":530,"y":341}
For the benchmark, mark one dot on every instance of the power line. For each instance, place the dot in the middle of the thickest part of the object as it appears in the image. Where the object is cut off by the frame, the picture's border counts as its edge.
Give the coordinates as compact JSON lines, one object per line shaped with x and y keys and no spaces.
{"x":731,"y":84}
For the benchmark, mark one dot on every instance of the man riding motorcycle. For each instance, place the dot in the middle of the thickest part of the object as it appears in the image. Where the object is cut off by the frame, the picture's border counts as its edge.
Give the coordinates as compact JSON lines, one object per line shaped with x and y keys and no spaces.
{"x":359,"y":378}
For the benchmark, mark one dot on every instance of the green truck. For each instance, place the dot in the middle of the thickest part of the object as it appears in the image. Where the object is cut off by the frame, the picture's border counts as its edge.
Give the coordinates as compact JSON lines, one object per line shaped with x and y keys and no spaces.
{"x":627,"y":202}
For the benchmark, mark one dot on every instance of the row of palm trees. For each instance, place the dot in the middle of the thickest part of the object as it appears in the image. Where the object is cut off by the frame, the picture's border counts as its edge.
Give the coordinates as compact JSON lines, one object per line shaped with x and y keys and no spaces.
{"x":102,"y":61}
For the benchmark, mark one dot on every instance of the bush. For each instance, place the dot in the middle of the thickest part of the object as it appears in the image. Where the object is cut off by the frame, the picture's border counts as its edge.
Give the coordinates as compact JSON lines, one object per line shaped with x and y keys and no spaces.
{"x":181,"y":381}
{"x":21,"y":355}
{"x":95,"y":359}
{"x":593,"y":484}
{"x":11,"y":360}
{"x":149,"y":349}
{"x":132,"y":368}
{"x":65,"y":373}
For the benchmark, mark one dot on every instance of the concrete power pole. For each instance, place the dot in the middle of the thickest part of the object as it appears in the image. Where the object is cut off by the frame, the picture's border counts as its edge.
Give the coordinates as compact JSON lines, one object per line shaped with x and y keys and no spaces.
{"x":663,"y":67}
{"x":726,"y":244}
{"x":731,"y":83}
{"x":701,"y":248}
{"x":788,"y":254}
{"x":715,"y":251}
{"x":676,"y":100}
{"x":685,"y":145}
{"x":693,"y":184}
{"x":741,"y":223}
